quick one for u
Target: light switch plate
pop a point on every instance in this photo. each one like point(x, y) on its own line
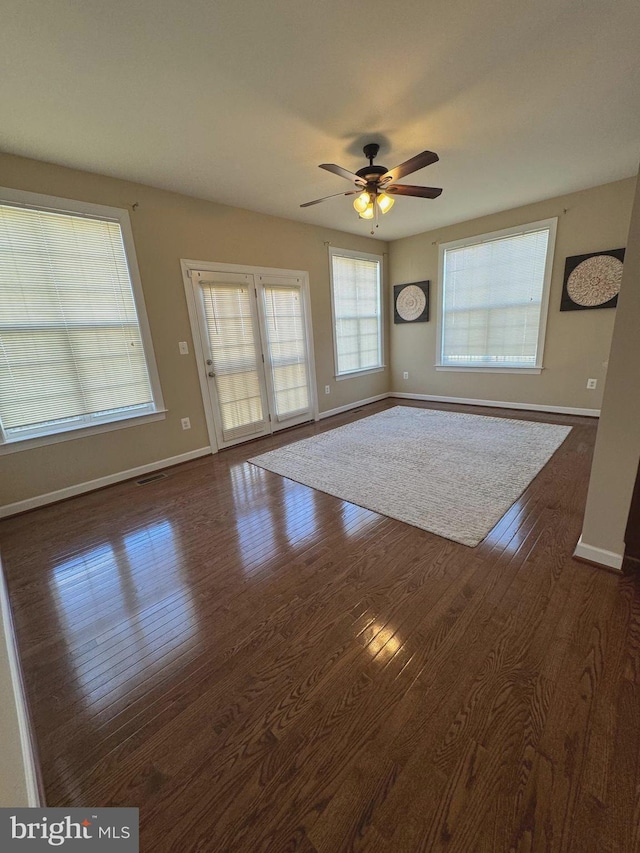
point(183, 347)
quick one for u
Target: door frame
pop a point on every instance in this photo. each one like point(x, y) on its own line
point(200, 347)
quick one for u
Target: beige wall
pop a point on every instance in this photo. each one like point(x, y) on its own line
point(617, 449)
point(167, 227)
point(577, 342)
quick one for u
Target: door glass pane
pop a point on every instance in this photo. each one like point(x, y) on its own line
point(286, 343)
point(235, 361)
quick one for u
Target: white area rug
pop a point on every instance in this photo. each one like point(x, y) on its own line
point(452, 474)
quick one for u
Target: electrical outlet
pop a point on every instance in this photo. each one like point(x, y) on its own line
point(405, 375)
point(327, 389)
point(591, 384)
point(186, 423)
point(183, 347)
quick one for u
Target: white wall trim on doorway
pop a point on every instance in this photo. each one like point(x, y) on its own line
point(21, 780)
point(598, 556)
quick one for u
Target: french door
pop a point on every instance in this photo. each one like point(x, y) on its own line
point(256, 350)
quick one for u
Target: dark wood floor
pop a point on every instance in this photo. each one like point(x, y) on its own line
point(262, 667)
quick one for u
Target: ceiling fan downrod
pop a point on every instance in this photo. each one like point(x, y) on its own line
point(371, 151)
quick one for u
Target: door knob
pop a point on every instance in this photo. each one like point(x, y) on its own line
point(211, 373)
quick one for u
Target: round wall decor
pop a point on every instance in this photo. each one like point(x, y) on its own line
point(411, 302)
point(595, 281)
point(592, 281)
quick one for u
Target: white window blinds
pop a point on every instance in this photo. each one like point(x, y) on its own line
point(287, 348)
point(492, 300)
point(357, 315)
point(232, 343)
point(71, 352)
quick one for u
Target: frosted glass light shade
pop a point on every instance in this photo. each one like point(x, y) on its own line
point(385, 202)
point(361, 202)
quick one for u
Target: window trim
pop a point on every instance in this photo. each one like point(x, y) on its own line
point(367, 256)
point(365, 370)
point(157, 411)
point(517, 230)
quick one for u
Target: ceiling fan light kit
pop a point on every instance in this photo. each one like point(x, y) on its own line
point(385, 202)
point(362, 202)
point(373, 184)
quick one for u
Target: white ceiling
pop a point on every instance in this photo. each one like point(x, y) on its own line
point(240, 101)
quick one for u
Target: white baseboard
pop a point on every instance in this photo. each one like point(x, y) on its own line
point(467, 401)
point(92, 485)
point(529, 407)
point(599, 556)
point(357, 405)
point(13, 692)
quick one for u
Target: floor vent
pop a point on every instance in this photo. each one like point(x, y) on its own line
point(150, 479)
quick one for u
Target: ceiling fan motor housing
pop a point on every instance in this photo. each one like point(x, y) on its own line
point(371, 174)
point(371, 150)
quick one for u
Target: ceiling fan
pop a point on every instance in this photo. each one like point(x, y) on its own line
point(375, 186)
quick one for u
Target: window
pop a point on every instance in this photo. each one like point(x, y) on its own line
point(494, 291)
point(75, 351)
point(357, 316)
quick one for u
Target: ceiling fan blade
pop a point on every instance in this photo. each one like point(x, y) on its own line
point(419, 192)
point(425, 158)
point(318, 200)
point(343, 173)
